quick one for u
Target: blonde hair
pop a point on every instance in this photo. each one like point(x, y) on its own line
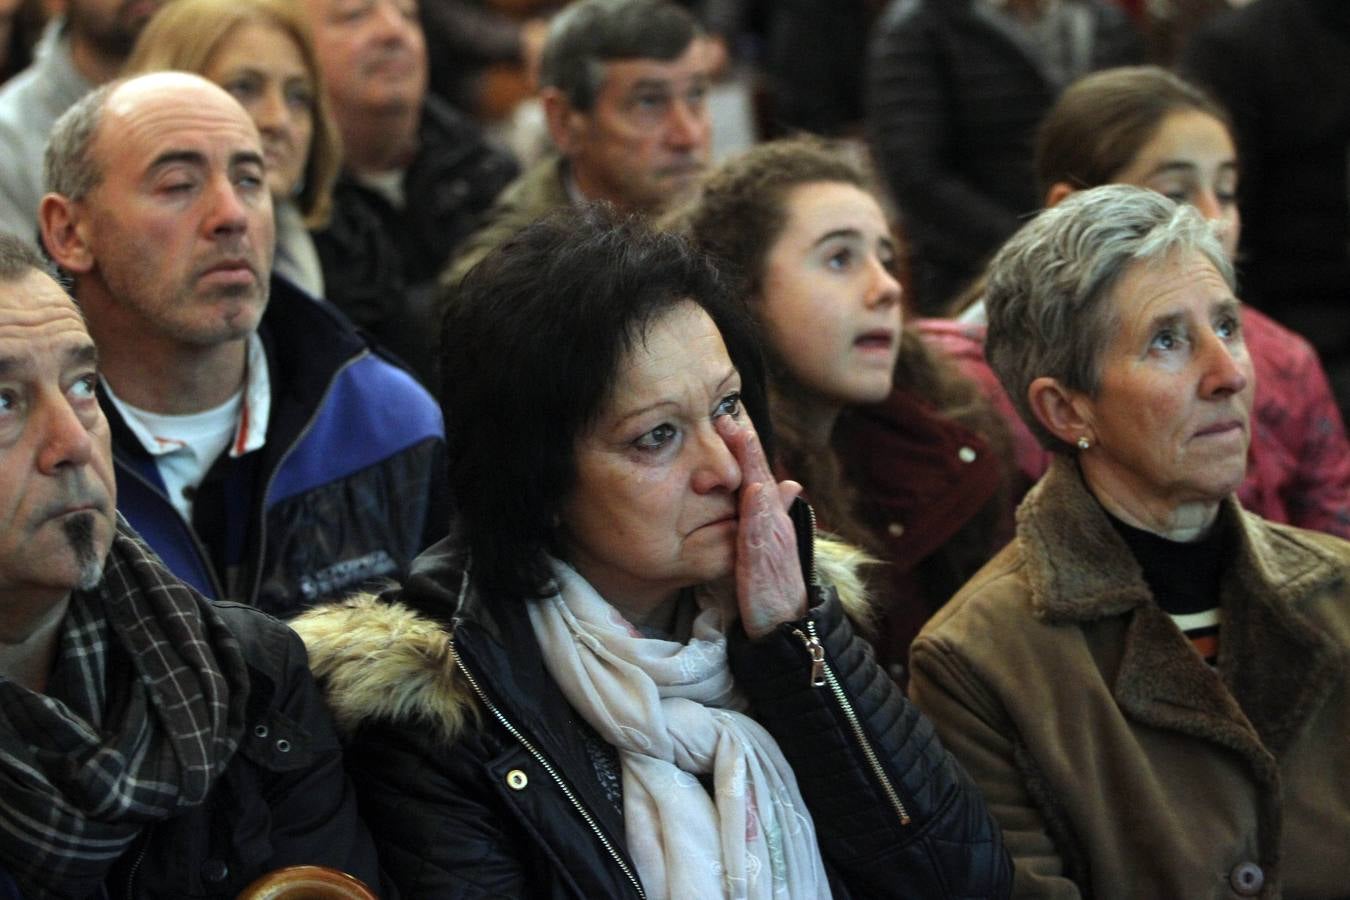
point(187, 34)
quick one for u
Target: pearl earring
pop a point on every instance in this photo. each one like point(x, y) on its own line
point(1083, 442)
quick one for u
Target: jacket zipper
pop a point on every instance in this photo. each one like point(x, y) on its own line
point(136, 866)
point(252, 597)
point(553, 773)
point(821, 676)
point(203, 556)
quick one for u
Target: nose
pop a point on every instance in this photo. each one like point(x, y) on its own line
point(229, 211)
point(1227, 369)
point(686, 125)
point(394, 24)
point(66, 442)
point(1207, 202)
point(883, 289)
point(716, 468)
point(271, 113)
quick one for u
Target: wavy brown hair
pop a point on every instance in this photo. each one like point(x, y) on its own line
point(739, 215)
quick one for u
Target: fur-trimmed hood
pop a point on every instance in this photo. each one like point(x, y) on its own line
point(380, 659)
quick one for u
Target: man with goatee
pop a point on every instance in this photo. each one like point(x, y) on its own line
point(152, 743)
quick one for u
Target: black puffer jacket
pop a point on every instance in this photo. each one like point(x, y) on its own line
point(473, 772)
point(284, 800)
point(380, 262)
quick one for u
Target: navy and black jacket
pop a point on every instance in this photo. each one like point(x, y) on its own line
point(349, 485)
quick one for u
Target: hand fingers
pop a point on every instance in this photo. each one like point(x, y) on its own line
point(769, 582)
point(756, 523)
point(788, 491)
point(744, 444)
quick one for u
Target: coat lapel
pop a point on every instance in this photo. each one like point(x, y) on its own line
point(1274, 671)
point(1278, 666)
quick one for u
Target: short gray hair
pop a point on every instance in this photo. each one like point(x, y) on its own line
point(18, 258)
point(68, 166)
point(1048, 291)
point(589, 33)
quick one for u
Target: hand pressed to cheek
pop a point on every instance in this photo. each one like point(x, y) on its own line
point(769, 585)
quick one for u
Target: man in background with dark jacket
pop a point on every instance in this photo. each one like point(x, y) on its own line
point(956, 89)
point(417, 174)
point(152, 744)
point(262, 448)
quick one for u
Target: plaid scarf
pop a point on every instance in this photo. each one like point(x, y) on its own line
point(142, 713)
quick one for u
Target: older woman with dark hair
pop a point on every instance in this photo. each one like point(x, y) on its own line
point(1149, 683)
point(631, 671)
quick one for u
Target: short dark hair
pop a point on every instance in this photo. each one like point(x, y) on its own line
point(530, 351)
point(18, 258)
point(589, 33)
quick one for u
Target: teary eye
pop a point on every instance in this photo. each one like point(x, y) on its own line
point(730, 405)
point(657, 438)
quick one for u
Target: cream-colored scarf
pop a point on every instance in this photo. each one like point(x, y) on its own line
point(673, 712)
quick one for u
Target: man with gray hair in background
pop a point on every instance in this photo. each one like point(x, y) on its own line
point(149, 739)
point(624, 87)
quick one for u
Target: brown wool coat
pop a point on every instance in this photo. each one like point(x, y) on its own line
point(1118, 764)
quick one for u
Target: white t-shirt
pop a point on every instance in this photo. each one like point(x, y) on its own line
point(185, 447)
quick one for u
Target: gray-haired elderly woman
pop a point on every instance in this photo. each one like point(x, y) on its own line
point(1149, 683)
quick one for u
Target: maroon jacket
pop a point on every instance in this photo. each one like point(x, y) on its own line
point(929, 490)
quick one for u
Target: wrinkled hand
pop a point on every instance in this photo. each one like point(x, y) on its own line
point(769, 585)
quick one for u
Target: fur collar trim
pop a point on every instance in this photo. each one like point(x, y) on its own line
point(1275, 667)
point(378, 660)
point(1060, 520)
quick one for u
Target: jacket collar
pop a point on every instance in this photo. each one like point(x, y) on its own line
point(1275, 669)
point(392, 657)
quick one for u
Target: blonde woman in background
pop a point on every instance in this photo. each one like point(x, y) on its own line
point(262, 53)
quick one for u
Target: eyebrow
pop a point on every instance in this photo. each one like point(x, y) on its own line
point(837, 233)
point(1165, 320)
point(851, 233)
point(174, 157)
point(1230, 305)
point(650, 84)
point(1179, 165)
point(659, 404)
point(198, 159)
point(84, 354)
point(667, 84)
point(243, 157)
